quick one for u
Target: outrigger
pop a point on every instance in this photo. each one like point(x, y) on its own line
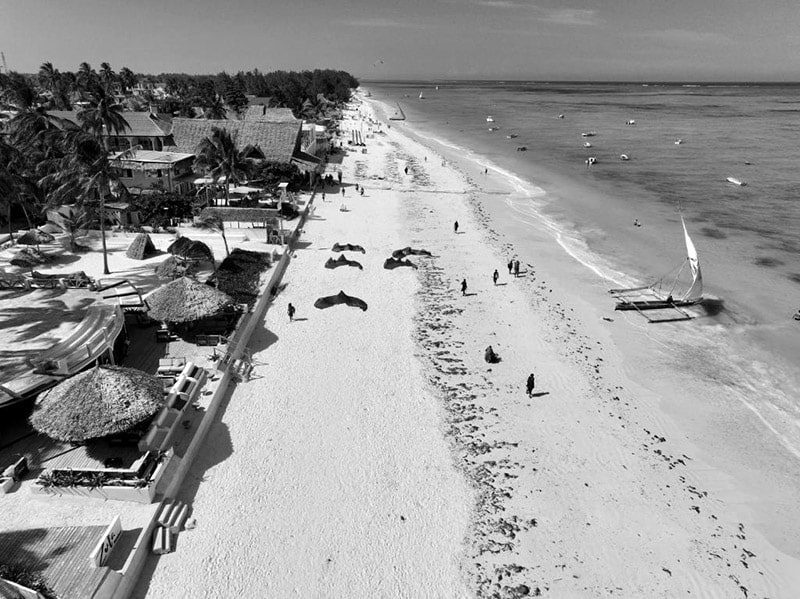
point(652, 296)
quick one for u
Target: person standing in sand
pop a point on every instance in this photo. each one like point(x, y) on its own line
point(510, 266)
point(516, 268)
point(495, 276)
point(455, 226)
point(464, 287)
point(291, 311)
point(530, 384)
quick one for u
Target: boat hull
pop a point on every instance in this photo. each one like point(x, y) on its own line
point(653, 305)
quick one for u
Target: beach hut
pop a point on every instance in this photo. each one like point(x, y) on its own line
point(186, 300)
point(141, 247)
point(98, 402)
point(28, 258)
point(174, 267)
point(34, 237)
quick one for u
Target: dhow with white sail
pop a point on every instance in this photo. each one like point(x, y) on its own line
point(668, 292)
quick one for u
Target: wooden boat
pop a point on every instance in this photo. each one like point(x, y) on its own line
point(736, 181)
point(588, 134)
point(490, 119)
point(653, 297)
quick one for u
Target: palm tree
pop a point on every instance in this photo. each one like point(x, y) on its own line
point(104, 114)
point(48, 76)
point(215, 109)
point(213, 222)
point(127, 79)
point(86, 77)
point(218, 156)
point(108, 77)
point(84, 172)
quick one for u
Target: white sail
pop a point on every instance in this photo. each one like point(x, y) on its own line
point(695, 292)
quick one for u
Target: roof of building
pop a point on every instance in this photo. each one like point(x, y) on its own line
point(141, 124)
point(153, 156)
point(276, 141)
point(259, 112)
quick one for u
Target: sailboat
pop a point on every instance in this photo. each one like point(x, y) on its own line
point(421, 97)
point(679, 294)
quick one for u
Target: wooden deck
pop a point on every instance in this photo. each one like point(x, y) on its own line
point(59, 555)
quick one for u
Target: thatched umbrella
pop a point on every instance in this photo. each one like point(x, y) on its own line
point(186, 300)
point(141, 247)
point(173, 267)
point(98, 402)
point(34, 237)
point(28, 258)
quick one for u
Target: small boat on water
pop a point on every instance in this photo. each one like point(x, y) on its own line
point(490, 119)
point(662, 295)
point(630, 122)
point(522, 148)
point(561, 116)
point(588, 134)
point(736, 181)
point(591, 160)
point(624, 157)
point(494, 128)
point(421, 97)
point(678, 142)
point(511, 136)
point(586, 144)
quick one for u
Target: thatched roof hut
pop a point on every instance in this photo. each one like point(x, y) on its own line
point(29, 257)
point(191, 249)
point(141, 247)
point(34, 237)
point(98, 402)
point(239, 274)
point(186, 300)
point(174, 267)
point(176, 246)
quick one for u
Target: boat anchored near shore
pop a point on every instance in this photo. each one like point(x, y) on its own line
point(653, 297)
point(736, 181)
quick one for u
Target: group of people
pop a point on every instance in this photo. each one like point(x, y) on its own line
point(513, 265)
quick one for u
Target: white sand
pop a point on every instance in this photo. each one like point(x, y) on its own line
point(332, 475)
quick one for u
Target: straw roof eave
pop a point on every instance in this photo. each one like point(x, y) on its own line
point(96, 403)
point(186, 300)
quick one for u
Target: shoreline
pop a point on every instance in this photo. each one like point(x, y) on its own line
point(734, 493)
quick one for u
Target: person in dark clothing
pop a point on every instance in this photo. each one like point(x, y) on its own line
point(464, 287)
point(516, 268)
point(291, 311)
point(530, 384)
point(495, 276)
point(455, 226)
point(510, 266)
point(490, 356)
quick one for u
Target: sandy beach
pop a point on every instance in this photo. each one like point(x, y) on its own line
point(376, 453)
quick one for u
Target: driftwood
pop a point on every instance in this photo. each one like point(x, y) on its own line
point(407, 251)
point(348, 247)
point(392, 263)
point(342, 261)
point(340, 298)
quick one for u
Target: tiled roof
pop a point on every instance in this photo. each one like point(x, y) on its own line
point(277, 141)
point(142, 124)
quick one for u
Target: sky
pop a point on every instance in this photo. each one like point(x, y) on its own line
point(621, 40)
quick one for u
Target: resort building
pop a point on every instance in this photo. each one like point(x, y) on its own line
point(149, 171)
point(146, 130)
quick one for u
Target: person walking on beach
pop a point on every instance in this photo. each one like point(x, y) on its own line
point(323, 196)
point(495, 276)
point(291, 311)
point(510, 266)
point(516, 268)
point(361, 191)
point(464, 287)
point(406, 170)
point(342, 191)
point(455, 226)
point(530, 384)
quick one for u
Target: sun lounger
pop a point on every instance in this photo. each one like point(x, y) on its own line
point(171, 365)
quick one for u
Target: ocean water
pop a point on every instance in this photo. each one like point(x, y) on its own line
point(743, 352)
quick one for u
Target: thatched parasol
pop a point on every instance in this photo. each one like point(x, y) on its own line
point(34, 237)
point(28, 258)
point(97, 402)
point(186, 300)
point(141, 247)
